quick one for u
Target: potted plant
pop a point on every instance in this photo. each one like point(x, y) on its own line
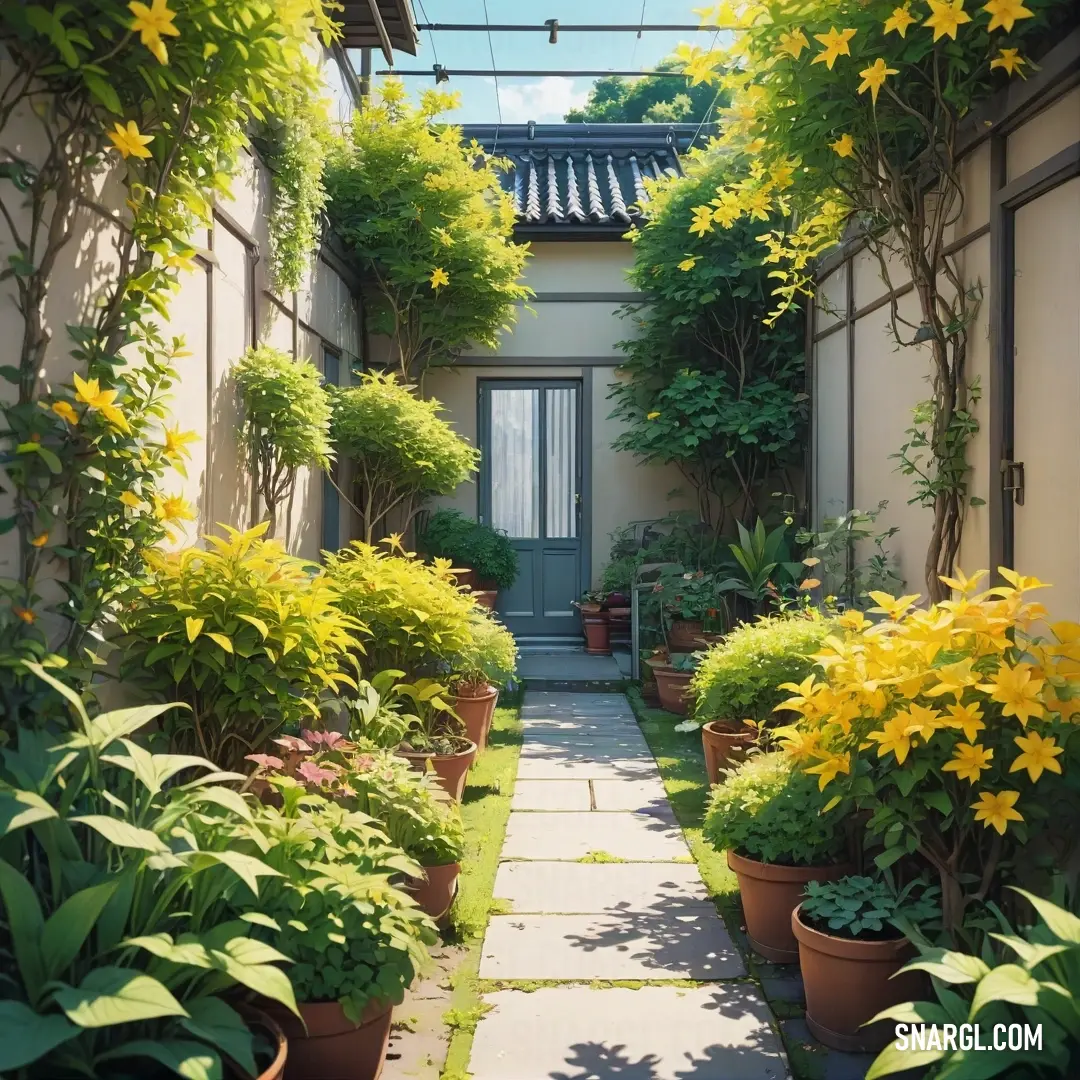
point(595, 622)
point(673, 682)
point(850, 953)
point(487, 557)
point(490, 664)
point(737, 684)
point(689, 598)
point(435, 739)
point(356, 940)
point(769, 817)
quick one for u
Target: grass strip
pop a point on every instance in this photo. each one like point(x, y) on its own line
point(485, 809)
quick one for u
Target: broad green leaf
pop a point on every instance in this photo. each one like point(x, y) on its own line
point(26, 923)
point(1062, 924)
point(246, 867)
point(224, 797)
point(188, 950)
point(69, 926)
point(29, 1036)
point(18, 809)
point(950, 967)
point(154, 771)
point(122, 833)
point(1007, 982)
point(222, 640)
point(891, 1060)
point(113, 995)
point(189, 1059)
point(218, 1023)
point(1031, 953)
point(110, 726)
point(257, 918)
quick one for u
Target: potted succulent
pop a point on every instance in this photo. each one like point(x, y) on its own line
point(739, 684)
point(435, 739)
point(594, 620)
point(673, 682)
point(490, 664)
point(769, 817)
point(486, 556)
point(850, 953)
point(356, 941)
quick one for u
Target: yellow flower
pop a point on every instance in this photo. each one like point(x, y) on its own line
point(1004, 13)
point(894, 737)
point(793, 44)
point(961, 583)
point(176, 442)
point(90, 393)
point(968, 718)
point(997, 810)
point(130, 141)
point(900, 20)
point(844, 146)
point(150, 23)
point(798, 744)
point(652, 416)
point(176, 260)
point(969, 762)
point(439, 278)
point(64, 410)
point(129, 498)
point(1010, 60)
point(922, 721)
point(40, 540)
point(947, 16)
point(1015, 688)
point(25, 614)
point(954, 679)
point(703, 220)
point(836, 44)
point(173, 508)
point(893, 606)
point(1038, 755)
point(873, 78)
point(689, 264)
point(827, 770)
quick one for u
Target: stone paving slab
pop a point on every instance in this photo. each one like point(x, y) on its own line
point(684, 941)
point(582, 727)
point(583, 742)
point(567, 888)
point(642, 795)
point(655, 1033)
point(562, 665)
point(551, 795)
point(633, 837)
point(593, 750)
point(544, 767)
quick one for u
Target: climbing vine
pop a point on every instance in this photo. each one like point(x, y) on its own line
point(132, 117)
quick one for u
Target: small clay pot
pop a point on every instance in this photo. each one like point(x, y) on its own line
point(435, 891)
point(673, 687)
point(848, 982)
point(597, 633)
point(332, 1048)
point(684, 634)
point(725, 744)
point(256, 1018)
point(450, 769)
point(476, 712)
point(467, 579)
point(770, 893)
point(486, 598)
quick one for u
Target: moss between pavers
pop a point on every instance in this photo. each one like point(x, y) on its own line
point(486, 809)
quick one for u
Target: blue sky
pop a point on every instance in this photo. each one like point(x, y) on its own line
point(540, 99)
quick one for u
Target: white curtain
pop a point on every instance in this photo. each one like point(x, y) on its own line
point(561, 463)
point(513, 464)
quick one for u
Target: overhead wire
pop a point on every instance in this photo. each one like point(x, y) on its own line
point(637, 39)
point(430, 33)
point(494, 66)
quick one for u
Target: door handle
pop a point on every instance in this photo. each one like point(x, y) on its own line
point(1012, 479)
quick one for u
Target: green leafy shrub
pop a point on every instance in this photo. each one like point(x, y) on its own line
point(352, 935)
point(403, 450)
point(407, 804)
point(245, 635)
point(492, 657)
point(1035, 982)
point(868, 908)
point(416, 615)
point(286, 423)
point(118, 870)
point(770, 811)
point(741, 678)
point(430, 226)
point(449, 534)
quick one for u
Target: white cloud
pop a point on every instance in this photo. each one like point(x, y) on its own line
point(548, 99)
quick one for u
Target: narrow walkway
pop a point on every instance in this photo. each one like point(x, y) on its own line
point(603, 888)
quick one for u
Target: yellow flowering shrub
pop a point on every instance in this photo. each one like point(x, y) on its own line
point(950, 726)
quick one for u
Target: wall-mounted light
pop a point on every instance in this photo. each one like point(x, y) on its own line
point(441, 74)
point(553, 30)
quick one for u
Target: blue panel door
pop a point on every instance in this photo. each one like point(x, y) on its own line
point(530, 488)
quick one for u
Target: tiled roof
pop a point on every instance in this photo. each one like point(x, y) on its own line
point(576, 178)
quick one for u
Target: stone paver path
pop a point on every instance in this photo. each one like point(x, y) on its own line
point(601, 886)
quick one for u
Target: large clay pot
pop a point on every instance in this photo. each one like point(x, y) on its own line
point(257, 1019)
point(725, 744)
point(450, 769)
point(770, 893)
point(597, 633)
point(684, 634)
point(435, 891)
point(467, 579)
point(672, 686)
point(332, 1048)
point(476, 712)
point(849, 982)
point(486, 598)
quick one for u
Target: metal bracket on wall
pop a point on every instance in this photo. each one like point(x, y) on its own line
point(1012, 479)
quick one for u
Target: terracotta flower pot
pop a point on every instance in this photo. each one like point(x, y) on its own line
point(486, 598)
point(849, 982)
point(672, 686)
point(435, 891)
point(770, 893)
point(684, 634)
point(332, 1048)
point(256, 1018)
point(725, 743)
point(450, 769)
point(467, 579)
point(597, 633)
point(476, 712)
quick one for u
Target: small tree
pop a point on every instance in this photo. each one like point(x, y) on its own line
point(430, 227)
point(403, 451)
point(286, 423)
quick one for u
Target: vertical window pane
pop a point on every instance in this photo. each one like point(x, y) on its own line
point(560, 452)
point(513, 459)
